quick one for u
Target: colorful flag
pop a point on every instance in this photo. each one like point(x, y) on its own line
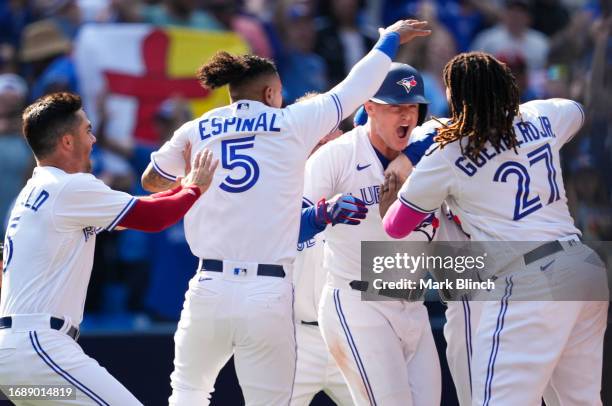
point(135, 67)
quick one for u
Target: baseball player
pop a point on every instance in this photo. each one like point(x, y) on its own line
point(461, 314)
point(49, 250)
point(384, 349)
point(315, 369)
point(245, 234)
point(529, 349)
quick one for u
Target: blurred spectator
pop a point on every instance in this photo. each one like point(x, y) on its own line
point(463, 18)
point(228, 13)
point(157, 267)
point(340, 40)
point(429, 56)
point(183, 13)
point(591, 210)
point(14, 16)
point(46, 50)
point(518, 66)
point(96, 11)
point(571, 43)
point(549, 16)
point(301, 70)
point(65, 13)
point(513, 36)
point(8, 58)
point(16, 160)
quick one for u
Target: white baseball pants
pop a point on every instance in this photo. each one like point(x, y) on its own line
point(385, 350)
point(316, 370)
point(250, 318)
point(462, 318)
point(32, 353)
point(528, 349)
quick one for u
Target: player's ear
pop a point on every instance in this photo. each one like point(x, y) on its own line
point(369, 108)
point(268, 96)
point(66, 141)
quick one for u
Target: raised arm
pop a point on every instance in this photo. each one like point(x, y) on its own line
point(322, 114)
point(368, 74)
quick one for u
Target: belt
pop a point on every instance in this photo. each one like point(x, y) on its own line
point(362, 286)
point(54, 322)
point(215, 265)
point(310, 323)
point(542, 251)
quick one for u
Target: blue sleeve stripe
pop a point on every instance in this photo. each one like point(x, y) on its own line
point(415, 207)
point(122, 214)
point(388, 44)
point(581, 111)
point(341, 109)
point(337, 103)
point(307, 201)
point(161, 172)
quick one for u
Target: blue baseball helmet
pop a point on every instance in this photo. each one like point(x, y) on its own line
point(403, 85)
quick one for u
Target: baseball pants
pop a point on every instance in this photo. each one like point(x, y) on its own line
point(250, 317)
point(526, 349)
point(462, 318)
point(31, 353)
point(316, 370)
point(384, 349)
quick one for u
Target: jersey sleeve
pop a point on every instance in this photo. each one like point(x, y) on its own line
point(428, 185)
point(168, 161)
point(86, 201)
point(566, 117)
point(319, 176)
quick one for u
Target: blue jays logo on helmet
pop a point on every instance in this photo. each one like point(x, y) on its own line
point(408, 83)
point(411, 89)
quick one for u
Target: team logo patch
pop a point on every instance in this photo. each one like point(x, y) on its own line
point(89, 232)
point(408, 83)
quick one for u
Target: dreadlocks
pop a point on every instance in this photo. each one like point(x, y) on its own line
point(484, 99)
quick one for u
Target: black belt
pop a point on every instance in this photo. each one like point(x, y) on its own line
point(542, 251)
point(55, 323)
point(310, 323)
point(362, 286)
point(215, 265)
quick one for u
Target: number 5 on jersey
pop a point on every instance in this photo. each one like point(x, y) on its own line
point(232, 158)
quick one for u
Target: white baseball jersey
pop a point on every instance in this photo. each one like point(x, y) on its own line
point(472, 189)
point(51, 239)
point(349, 164)
point(253, 205)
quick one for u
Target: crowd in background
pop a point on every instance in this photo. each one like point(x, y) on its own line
point(556, 48)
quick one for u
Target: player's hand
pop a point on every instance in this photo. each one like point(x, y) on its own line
point(388, 193)
point(341, 209)
point(204, 167)
point(401, 167)
point(407, 29)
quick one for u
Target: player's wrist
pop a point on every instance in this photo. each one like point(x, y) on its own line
point(388, 43)
point(195, 188)
point(322, 213)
